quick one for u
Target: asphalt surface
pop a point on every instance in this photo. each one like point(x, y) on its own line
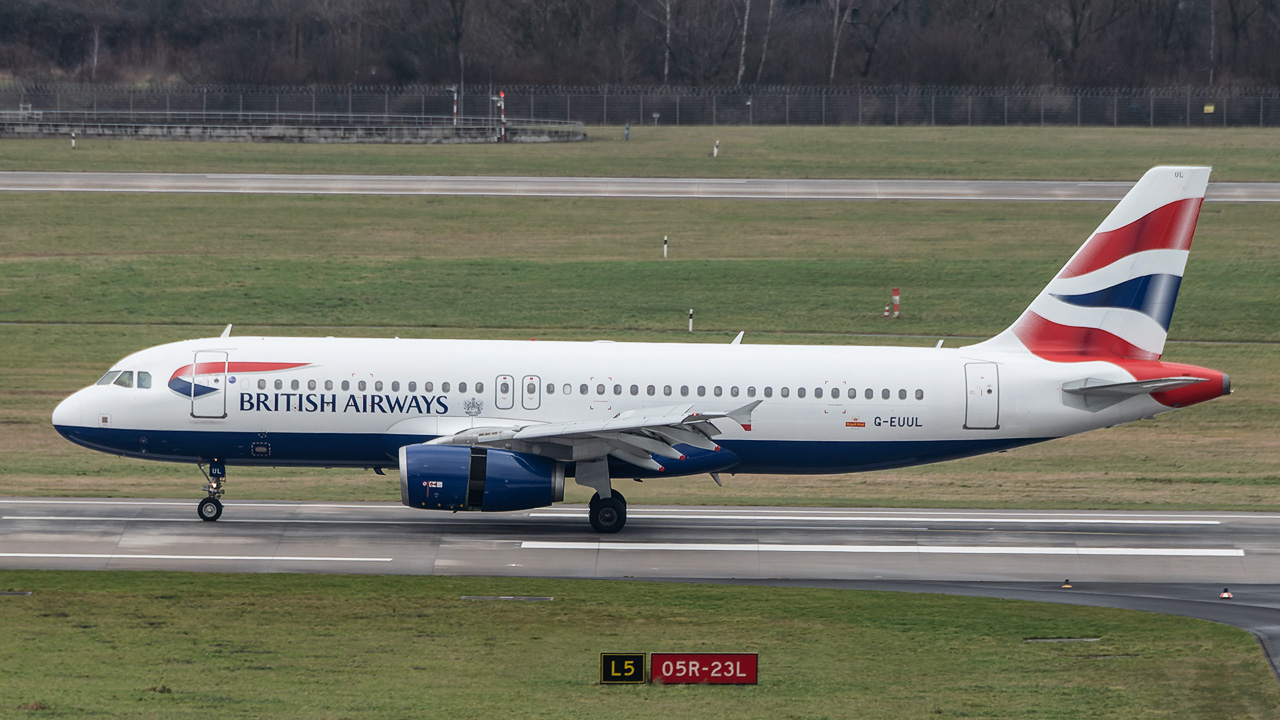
point(603, 187)
point(1174, 563)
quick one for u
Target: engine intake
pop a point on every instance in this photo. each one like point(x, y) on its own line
point(452, 477)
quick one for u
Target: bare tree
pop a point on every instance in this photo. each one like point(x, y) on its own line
point(663, 17)
point(873, 18)
point(764, 46)
point(841, 10)
point(742, 54)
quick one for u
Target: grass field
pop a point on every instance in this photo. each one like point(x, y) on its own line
point(177, 645)
point(153, 269)
point(792, 152)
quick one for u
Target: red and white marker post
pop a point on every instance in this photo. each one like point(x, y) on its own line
point(897, 300)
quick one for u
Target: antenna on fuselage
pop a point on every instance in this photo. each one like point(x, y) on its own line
point(226, 332)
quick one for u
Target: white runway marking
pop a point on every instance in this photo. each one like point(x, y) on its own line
point(272, 521)
point(115, 556)
point(902, 519)
point(882, 549)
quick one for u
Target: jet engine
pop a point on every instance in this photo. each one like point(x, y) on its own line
point(453, 477)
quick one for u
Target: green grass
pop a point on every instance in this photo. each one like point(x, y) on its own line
point(790, 152)
point(176, 645)
point(804, 272)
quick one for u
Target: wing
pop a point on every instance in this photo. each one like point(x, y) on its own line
point(634, 436)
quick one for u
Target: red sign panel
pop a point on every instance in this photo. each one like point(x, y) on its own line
point(714, 668)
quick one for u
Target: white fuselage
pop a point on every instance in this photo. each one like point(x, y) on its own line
point(354, 402)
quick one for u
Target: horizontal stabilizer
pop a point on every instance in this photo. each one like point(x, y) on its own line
point(1094, 394)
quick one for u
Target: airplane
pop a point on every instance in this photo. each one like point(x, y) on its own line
point(496, 425)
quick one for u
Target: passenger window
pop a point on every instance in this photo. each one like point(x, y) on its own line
point(733, 391)
point(582, 389)
point(504, 388)
point(125, 379)
point(413, 386)
point(395, 386)
point(817, 392)
point(109, 377)
point(444, 387)
point(346, 385)
point(666, 390)
point(462, 387)
point(144, 380)
point(480, 388)
point(717, 391)
point(328, 385)
point(600, 389)
point(684, 391)
point(568, 389)
point(751, 391)
point(869, 394)
point(884, 394)
point(902, 394)
point(835, 393)
point(280, 384)
point(262, 384)
point(768, 391)
point(919, 394)
point(551, 388)
point(311, 384)
point(784, 392)
point(702, 391)
point(529, 389)
point(651, 390)
point(800, 392)
point(427, 386)
point(359, 386)
point(635, 389)
point(294, 385)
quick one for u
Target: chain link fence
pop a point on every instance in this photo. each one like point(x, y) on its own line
point(613, 105)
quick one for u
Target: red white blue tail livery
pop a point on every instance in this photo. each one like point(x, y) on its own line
point(498, 425)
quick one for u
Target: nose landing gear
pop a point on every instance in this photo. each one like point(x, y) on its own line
point(210, 508)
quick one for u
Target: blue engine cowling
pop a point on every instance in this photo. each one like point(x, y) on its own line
point(453, 477)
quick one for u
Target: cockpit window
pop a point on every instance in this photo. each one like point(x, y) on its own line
point(144, 380)
point(125, 379)
point(109, 377)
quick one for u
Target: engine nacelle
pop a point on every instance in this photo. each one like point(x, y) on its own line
point(453, 477)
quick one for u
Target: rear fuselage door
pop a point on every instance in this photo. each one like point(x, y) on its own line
point(982, 400)
point(209, 384)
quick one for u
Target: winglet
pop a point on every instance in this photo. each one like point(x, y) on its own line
point(738, 340)
point(226, 331)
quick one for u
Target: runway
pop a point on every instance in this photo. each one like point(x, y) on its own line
point(604, 187)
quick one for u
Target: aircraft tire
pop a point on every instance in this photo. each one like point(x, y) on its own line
point(608, 515)
point(210, 509)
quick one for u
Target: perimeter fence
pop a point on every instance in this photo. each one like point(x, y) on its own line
point(615, 105)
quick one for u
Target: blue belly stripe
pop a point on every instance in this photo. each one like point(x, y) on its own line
point(381, 450)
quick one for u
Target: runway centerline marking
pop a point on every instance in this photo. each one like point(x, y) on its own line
point(882, 549)
point(896, 519)
point(123, 556)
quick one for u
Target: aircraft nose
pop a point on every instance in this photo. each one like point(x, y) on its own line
point(69, 413)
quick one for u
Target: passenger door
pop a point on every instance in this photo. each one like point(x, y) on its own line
point(209, 384)
point(982, 402)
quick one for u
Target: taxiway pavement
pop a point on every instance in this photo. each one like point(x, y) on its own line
point(603, 187)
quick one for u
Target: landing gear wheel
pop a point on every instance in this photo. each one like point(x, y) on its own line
point(608, 515)
point(210, 509)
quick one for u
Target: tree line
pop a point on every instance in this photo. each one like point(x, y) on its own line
point(1103, 43)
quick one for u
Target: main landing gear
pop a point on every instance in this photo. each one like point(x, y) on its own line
point(608, 515)
point(210, 508)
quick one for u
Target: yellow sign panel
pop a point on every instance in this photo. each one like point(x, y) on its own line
point(622, 668)
point(1208, 108)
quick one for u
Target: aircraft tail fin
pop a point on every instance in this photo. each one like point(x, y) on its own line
point(1115, 297)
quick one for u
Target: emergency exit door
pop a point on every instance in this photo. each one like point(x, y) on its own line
point(982, 401)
